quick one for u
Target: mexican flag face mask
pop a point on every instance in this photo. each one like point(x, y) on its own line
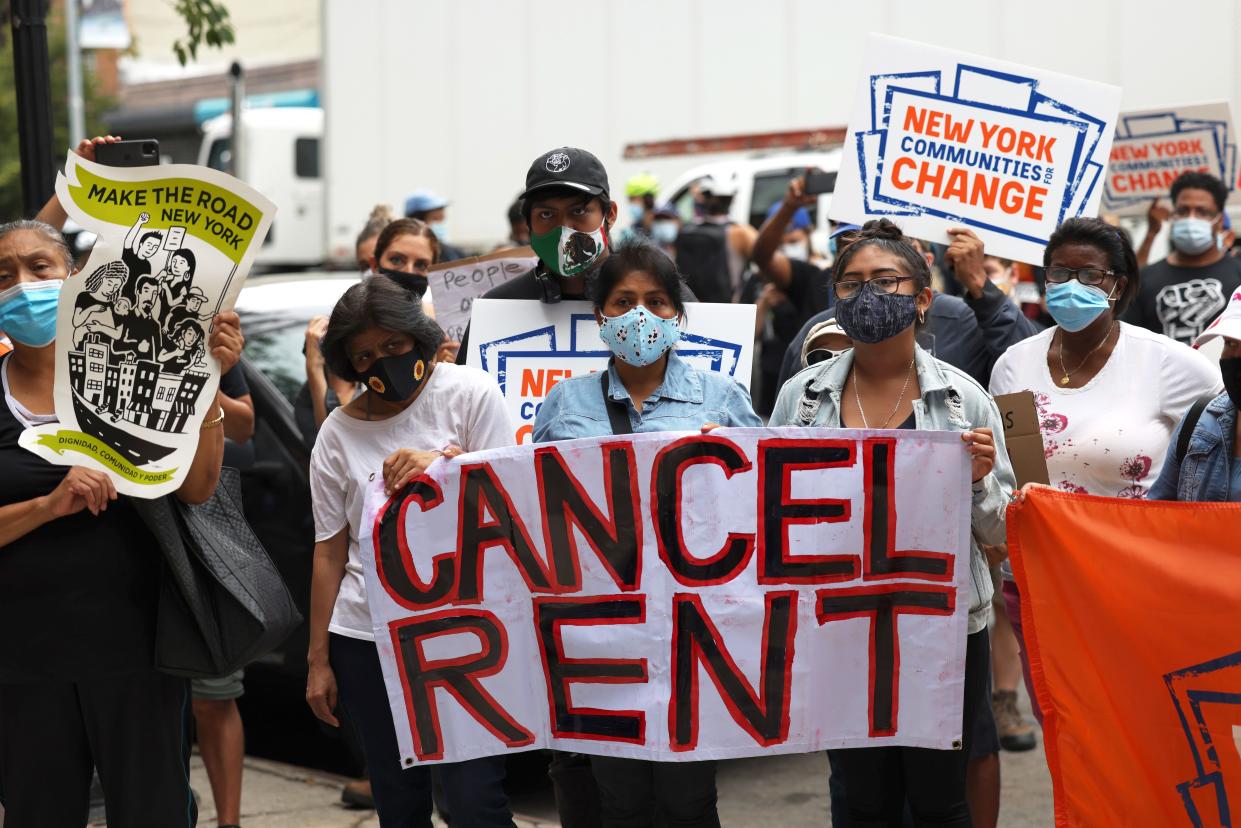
point(568, 252)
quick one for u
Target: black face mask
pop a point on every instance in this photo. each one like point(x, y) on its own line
point(396, 378)
point(1231, 370)
point(413, 282)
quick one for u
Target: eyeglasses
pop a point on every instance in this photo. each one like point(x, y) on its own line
point(1085, 275)
point(1195, 212)
point(848, 288)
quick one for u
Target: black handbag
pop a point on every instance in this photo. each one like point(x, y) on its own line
point(222, 602)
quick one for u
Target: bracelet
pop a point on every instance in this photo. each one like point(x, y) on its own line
point(213, 423)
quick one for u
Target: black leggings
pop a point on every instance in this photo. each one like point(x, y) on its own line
point(878, 781)
point(635, 793)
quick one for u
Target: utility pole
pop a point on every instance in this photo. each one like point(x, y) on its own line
point(77, 111)
point(32, 77)
point(238, 95)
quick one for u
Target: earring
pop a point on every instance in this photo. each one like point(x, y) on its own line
point(921, 316)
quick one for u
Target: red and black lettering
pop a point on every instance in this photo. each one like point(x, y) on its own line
point(570, 722)
point(670, 464)
point(459, 676)
point(777, 460)
point(882, 605)
point(393, 560)
point(617, 541)
point(695, 639)
point(482, 490)
point(879, 527)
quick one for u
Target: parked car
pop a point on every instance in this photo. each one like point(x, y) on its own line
point(274, 468)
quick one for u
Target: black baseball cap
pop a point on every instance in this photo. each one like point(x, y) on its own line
point(569, 167)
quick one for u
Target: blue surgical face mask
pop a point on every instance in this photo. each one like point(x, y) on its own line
point(1193, 236)
point(1074, 305)
point(638, 336)
point(664, 232)
point(28, 312)
point(440, 229)
point(636, 211)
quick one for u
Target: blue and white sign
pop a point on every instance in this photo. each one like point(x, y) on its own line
point(1154, 146)
point(942, 139)
point(530, 346)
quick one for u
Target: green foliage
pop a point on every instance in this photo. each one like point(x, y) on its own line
point(206, 22)
point(94, 102)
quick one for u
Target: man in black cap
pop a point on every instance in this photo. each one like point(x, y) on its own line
point(570, 213)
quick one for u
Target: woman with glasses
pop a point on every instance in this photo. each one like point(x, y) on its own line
point(882, 285)
point(1108, 393)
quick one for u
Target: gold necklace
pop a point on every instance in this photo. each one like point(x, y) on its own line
point(1064, 380)
point(858, 397)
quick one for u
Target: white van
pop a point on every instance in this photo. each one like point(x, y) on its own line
point(279, 158)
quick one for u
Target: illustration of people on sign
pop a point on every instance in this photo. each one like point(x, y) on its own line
point(139, 337)
point(93, 312)
point(139, 248)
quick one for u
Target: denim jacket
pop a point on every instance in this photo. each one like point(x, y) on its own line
point(951, 401)
point(1205, 472)
point(687, 399)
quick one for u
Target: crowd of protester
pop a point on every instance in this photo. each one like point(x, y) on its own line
point(871, 330)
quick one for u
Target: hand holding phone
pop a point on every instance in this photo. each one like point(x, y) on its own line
point(138, 153)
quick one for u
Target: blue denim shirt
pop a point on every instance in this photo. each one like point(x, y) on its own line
point(686, 400)
point(951, 401)
point(1205, 473)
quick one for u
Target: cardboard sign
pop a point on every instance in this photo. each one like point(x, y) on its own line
point(941, 138)
point(455, 285)
point(134, 378)
point(530, 346)
point(1154, 146)
point(1023, 438)
point(676, 597)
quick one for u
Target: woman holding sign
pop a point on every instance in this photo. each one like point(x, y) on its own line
point(883, 286)
point(647, 387)
point(79, 584)
point(414, 410)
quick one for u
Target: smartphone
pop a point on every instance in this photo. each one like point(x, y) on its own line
point(139, 153)
point(819, 182)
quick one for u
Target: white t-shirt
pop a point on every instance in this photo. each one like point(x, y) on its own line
point(1110, 436)
point(460, 406)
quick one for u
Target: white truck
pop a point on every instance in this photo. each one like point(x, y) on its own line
point(460, 95)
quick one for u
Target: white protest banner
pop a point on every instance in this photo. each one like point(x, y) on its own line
point(530, 346)
point(1154, 146)
point(455, 285)
point(134, 378)
point(676, 596)
point(940, 138)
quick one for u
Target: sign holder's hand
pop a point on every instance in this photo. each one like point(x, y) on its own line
point(404, 465)
point(226, 340)
point(966, 255)
point(981, 446)
point(81, 488)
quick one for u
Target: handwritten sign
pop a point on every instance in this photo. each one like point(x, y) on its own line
point(134, 378)
point(530, 346)
point(1154, 146)
point(676, 597)
point(940, 138)
point(455, 285)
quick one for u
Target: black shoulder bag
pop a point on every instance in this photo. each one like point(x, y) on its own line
point(1189, 424)
point(222, 602)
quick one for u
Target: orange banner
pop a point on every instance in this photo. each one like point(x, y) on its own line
point(1132, 617)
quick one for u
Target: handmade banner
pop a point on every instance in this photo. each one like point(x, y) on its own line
point(134, 378)
point(530, 346)
point(1154, 146)
point(455, 285)
point(599, 596)
point(1129, 611)
point(941, 138)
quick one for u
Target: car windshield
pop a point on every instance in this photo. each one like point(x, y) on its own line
point(274, 318)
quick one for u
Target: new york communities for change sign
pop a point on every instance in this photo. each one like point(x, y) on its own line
point(530, 346)
point(1154, 146)
point(940, 138)
point(675, 596)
